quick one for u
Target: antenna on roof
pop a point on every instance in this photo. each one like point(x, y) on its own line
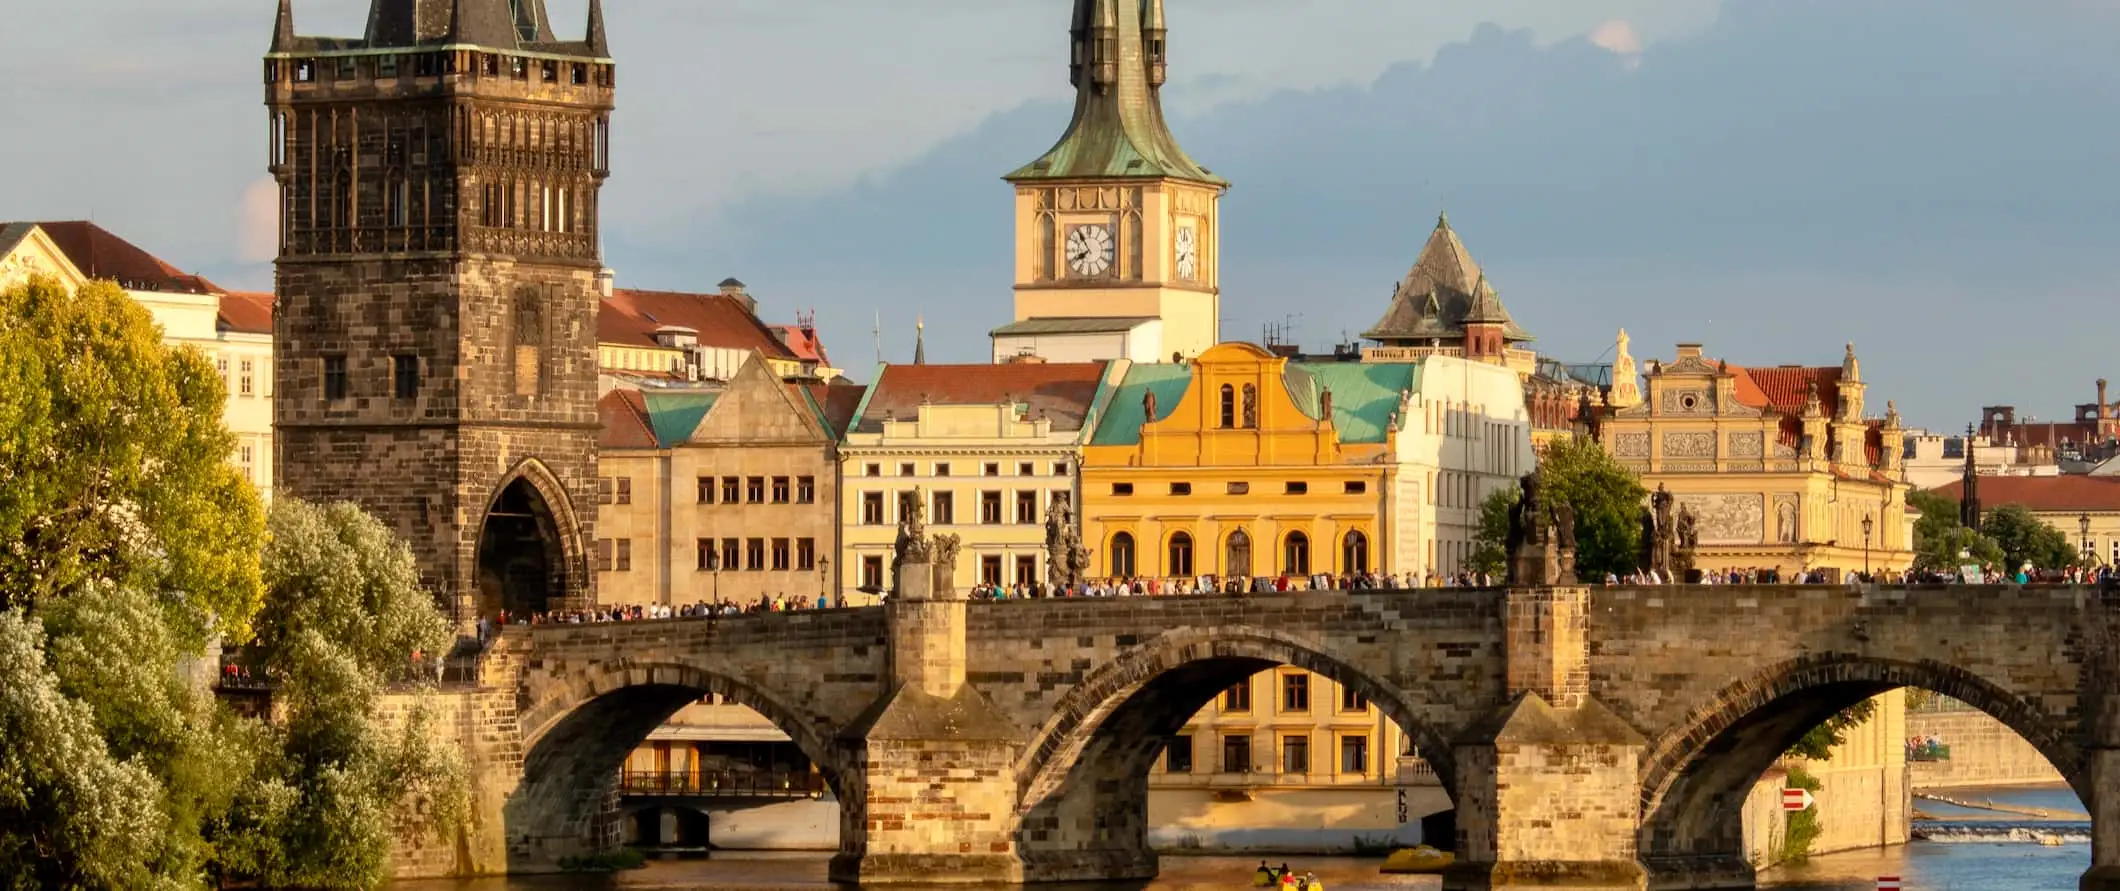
point(879, 337)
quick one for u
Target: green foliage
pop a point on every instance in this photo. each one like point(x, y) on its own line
point(1802, 828)
point(1492, 541)
point(114, 462)
point(1818, 743)
point(1607, 499)
point(2025, 538)
point(340, 574)
point(1939, 538)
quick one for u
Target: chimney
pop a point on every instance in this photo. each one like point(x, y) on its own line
point(2105, 409)
point(606, 281)
point(732, 288)
point(1689, 351)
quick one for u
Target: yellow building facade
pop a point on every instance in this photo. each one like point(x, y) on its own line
point(1213, 468)
point(1780, 465)
point(720, 494)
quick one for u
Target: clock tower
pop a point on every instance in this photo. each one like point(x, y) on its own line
point(1116, 228)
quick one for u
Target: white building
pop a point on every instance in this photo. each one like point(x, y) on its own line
point(1936, 459)
point(1464, 434)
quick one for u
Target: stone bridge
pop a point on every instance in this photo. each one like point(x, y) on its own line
point(1588, 738)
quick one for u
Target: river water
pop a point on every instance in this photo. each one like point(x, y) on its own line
point(1964, 850)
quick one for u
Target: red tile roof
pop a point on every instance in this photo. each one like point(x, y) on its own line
point(246, 312)
point(631, 317)
point(839, 400)
point(802, 340)
point(1060, 392)
point(1784, 388)
point(102, 255)
point(624, 415)
point(2049, 494)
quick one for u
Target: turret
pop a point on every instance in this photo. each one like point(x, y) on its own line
point(283, 28)
point(1104, 44)
point(1850, 387)
point(1152, 42)
point(599, 42)
point(1894, 446)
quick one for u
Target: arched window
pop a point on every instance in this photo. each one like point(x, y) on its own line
point(1229, 406)
point(397, 199)
point(529, 340)
point(1239, 554)
point(1295, 554)
point(1354, 552)
point(1180, 564)
point(341, 208)
point(1122, 551)
point(1251, 407)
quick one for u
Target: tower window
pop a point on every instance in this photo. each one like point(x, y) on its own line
point(348, 69)
point(405, 372)
point(1229, 407)
point(529, 337)
point(386, 66)
point(335, 377)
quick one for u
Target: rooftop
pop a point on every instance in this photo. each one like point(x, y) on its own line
point(99, 254)
point(1442, 292)
point(631, 318)
point(2043, 494)
point(1059, 392)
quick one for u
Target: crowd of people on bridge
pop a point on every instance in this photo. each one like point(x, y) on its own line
point(489, 625)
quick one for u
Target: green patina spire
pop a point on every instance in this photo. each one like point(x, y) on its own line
point(1117, 64)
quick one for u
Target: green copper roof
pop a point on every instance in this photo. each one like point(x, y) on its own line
point(1364, 394)
point(1119, 129)
point(1122, 421)
point(676, 415)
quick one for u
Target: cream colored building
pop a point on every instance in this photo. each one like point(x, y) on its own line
point(1464, 433)
point(234, 331)
point(988, 447)
point(1936, 459)
point(1781, 465)
point(725, 493)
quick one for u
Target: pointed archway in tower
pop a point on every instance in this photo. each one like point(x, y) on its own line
point(530, 558)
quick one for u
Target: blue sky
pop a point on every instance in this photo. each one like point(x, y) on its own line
point(1933, 181)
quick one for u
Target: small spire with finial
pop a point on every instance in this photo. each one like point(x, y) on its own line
point(919, 340)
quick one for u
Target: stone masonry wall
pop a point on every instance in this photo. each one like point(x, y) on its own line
point(1984, 752)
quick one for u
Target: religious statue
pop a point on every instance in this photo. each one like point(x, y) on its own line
point(1686, 539)
point(1564, 533)
point(1251, 407)
point(1659, 534)
point(1059, 523)
point(1534, 557)
point(1148, 406)
point(943, 565)
point(912, 545)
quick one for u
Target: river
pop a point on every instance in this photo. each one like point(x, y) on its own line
point(1967, 850)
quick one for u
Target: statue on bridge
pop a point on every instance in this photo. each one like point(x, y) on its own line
point(1541, 540)
point(912, 545)
point(942, 566)
point(1660, 535)
point(1685, 540)
point(1065, 559)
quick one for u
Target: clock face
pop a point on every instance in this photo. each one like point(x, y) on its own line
point(1188, 254)
point(1089, 250)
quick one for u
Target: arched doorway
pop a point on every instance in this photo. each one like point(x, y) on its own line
point(1180, 559)
point(1295, 554)
point(522, 563)
point(1122, 555)
point(1237, 559)
point(1354, 553)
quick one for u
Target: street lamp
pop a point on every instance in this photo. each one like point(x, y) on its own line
point(1867, 522)
point(824, 577)
point(713, 556)
point(2083, 523)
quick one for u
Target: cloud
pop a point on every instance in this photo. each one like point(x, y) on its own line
point(1619, 37)
point(258, 222)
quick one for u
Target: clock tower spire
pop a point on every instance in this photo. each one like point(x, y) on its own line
point(1116, 224)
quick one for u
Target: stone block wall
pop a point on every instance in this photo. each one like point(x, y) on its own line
point(1984, 752)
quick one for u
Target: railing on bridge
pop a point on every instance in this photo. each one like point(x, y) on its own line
point(722, 784)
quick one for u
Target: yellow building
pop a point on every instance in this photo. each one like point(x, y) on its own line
point(1117, 240)
point(1242, 464)
point(1780, 465)
point(989, 447)
point(725, 493)
point(234, 331)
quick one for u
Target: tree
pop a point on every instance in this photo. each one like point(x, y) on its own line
point(2024, 538)
point(1939, 539)
point(114, 461)
point(1607, 499)
point(1817, 744)
point(1491, 542)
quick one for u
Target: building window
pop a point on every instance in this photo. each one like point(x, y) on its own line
point(335, 377)
point(945, 509)
point(220, 364)
point(1295, 693)
point(1059, 468)
point(1027, 508)
point(1229, 407)
point(604, 490)
point(1178, 754)
point(805, 490)
point(1026, 570)
point(731, 490)
point(731, 554)
point(1354, 753)
point(993, 469)
point(404, 373)
point(243, 384)
point(1180, 563)
point(990, 569)
point(781, 492)
point(1237, 488)
point(603, 555)
point(1122, 555)
point(706, 490)
point(624, 491)
point(805, 554)
point(754, 490)
point(623, 561)
point(1024, 469)
point(1295, 754)
point(1352, 701)
point(1354, 553)
point(1122, 489)
point(872, 470)
point(872, 573)
point(781, 555)
point(906, 469)
point(872, 508)
point(529, 341)
point(1236, 753)
point(942, 468)
point(1296, 489)
point(990, 508)
point(754, 554)
point(248, 457)
point(709, 557)
point(1355, 487)
point(1238, 697)
point(905, 505)
point(1238, 554)
point(1181, 488)
point(1295, 554)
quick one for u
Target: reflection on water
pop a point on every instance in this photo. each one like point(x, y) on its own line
point(1968, 865)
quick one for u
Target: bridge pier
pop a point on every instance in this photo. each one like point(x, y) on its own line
point(1548, 788)
point(930, 794)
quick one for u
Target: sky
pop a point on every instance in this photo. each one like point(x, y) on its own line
point(1934, 182)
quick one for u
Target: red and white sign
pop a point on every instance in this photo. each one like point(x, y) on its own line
point(1793, 800)
point(1887, 883)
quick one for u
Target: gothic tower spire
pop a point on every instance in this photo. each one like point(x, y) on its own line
point(1117, 62)
point(283, 28)
point(599, 42)
point(920, 342)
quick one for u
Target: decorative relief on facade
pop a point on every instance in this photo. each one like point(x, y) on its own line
point(1189, 201)
point(1784, 450)
point(1786, 529)
point(1687, 402)
point(1094, 198)
point(1630, 445)
point(1747, 445)
point(1729, 519)
point(1689, 467)
point(1689, 445)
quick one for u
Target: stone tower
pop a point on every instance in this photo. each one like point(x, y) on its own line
point(435, 331)
point(1115, 224)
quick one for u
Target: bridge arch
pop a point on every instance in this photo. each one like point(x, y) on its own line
point(1698, 771)
point(575, 742)
point(1089, 764)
